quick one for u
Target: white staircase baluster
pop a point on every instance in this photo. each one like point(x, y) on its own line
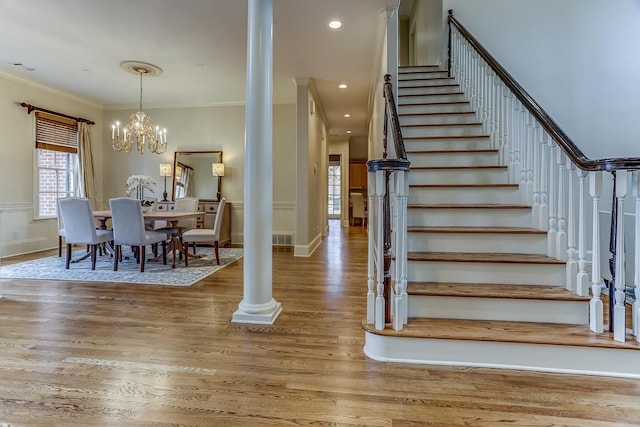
point(380, 193)
point(503, 125)
point(561, 235)
point(596, 313)
point(553, 197)
point(636, 278)
point(530, 151)
point(572, 261)
point(543, 223)
point(582, 279)
point(522, 137)
point(619, 318)
point(535, 172)
point(400, 301)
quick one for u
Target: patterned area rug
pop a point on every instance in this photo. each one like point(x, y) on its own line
point(155, 273)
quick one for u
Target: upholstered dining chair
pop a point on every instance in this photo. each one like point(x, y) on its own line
point(80, 227)
point(60, 230)
point(129, 230)
point(357, 208)
point(204, 235)
point(183, 204)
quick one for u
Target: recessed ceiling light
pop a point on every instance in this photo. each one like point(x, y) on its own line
point(335, 24)
point(348, 131)
point(342, 86)
point(347, 115)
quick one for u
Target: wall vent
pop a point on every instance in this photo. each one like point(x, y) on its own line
point(282, 239)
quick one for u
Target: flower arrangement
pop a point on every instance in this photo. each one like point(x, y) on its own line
point(138, 183)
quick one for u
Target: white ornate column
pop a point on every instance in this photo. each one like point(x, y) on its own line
point(258, 305)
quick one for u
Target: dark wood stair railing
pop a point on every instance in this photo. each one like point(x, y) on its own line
point(387, 166)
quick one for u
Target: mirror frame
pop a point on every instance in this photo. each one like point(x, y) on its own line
point(175, 163)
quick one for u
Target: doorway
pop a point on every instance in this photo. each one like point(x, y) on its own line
point(335, 185)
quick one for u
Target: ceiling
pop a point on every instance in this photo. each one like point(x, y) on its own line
point(77, 46)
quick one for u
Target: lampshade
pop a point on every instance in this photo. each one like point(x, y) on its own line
point(217, 169)
point(165, 169)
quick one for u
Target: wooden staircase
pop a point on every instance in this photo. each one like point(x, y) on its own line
point(482, 291)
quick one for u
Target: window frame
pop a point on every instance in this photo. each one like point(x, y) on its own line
point(59, 136)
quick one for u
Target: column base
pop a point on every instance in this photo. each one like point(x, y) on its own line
point(261, 314)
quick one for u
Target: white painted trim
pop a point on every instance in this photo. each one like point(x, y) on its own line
point(307, 250)
point(504, 355)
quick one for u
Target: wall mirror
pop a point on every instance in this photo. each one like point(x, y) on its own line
point(192, 174)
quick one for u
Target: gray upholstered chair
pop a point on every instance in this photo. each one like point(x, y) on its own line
point(129, 230)
point(80, 227)
point(357, 208)
point(204, 235)
point(60, 230)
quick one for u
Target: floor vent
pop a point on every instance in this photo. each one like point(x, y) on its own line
point(282, 240)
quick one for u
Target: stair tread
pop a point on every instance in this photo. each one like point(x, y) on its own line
point(505, 331)
point(479, 151)
point(471, 186)
point(439, 113)
point(426, 86)
point(463, 206)
point(407, 95)
point(486, 257)
point(427, 104)
point(474, 229)
point(489, 290)
point(446, 137)
point(427, 125)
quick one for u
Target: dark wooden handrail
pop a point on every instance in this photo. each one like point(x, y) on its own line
point(390, 106)
point(569, 147)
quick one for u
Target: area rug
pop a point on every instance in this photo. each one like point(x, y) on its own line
point(155, 273)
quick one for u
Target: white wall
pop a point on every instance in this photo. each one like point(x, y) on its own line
point(427, 22)
point(212, 128)
point(577, 58)
point(19, 231)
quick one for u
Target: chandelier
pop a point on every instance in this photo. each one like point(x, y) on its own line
point(139, 130)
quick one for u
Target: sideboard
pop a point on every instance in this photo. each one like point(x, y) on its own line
point(209, 209)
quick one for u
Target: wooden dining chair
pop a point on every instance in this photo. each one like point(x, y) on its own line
point(80, 227)
point(129, 230)
point(204, 235)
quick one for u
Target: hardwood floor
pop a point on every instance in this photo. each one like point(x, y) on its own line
point(96, 354)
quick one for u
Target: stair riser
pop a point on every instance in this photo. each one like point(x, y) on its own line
point(469, 217)
point(480, 272)
point(504, 309)
point(505, 355)
point(449, 159)
point(431, 81)
point(447, 119)
point(429, 90)
point(443, 130)
point(426, 99)
point(477, 243)
point(458, 176)
point(480, 143)
point(420, 75)
point(460, 195)
point(433, 108)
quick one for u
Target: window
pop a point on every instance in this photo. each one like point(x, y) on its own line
point(334, 190)
point(56, 162)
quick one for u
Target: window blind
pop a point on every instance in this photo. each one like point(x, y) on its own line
point(56, 133)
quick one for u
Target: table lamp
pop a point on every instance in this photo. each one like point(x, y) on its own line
point(218, 170)
point(165, 170)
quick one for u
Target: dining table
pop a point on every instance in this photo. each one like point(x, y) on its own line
point(170, 217)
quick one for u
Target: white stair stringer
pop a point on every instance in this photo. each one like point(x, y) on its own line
point(567, 359)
